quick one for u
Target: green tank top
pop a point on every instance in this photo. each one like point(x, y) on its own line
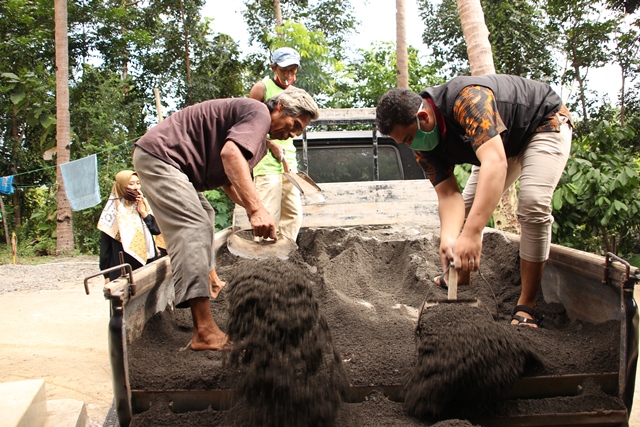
point(269, 165)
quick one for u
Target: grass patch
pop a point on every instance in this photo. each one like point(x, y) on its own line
point(27, 255)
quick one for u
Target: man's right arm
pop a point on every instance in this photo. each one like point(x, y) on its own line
point(237, 170)
point(451, 211)
point(257, 92)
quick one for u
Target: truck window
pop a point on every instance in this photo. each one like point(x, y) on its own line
point(351, 163)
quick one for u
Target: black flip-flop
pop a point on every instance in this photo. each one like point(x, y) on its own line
point(537, 319)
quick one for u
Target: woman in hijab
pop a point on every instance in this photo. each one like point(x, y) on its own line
point(127, 225)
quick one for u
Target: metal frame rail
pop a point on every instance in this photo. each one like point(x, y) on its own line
point(345, 116)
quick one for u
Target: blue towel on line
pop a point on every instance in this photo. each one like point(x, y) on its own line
point(6, 185)
point(81, 182)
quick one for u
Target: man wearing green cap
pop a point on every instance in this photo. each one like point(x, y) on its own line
point(279, 196)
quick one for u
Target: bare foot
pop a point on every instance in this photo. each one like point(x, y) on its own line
point(206, 334)
point(218, 341)
point(215, 284)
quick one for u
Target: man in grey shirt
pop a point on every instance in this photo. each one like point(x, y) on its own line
point(205, 146)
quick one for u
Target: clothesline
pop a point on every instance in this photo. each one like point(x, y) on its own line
point(126, 145)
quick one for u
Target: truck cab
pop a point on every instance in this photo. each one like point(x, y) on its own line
point(349, 156)
point(353, 155)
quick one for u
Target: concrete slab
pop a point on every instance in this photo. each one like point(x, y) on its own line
point(66, 413)
point(23, 403)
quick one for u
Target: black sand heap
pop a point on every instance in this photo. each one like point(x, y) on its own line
point(465, 358)
point(287, 372)
point(369, 283)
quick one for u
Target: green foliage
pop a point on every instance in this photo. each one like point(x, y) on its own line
point(334, 18)
point(520, 42)
point(86, 235)
point(26, 35)
point(26, 253)
point(217, 72)
point(598, 197)
point(27, 100)
point(317, 31)
point(108, 111)
point(39, 231)
point(462, 173)
point(584, 37)
point(222, 205)
point(365, 79)
point(627, 54)
point(444, 34)
point(632, 117)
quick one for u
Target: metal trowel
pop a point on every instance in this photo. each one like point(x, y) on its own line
point(242, 243)
point(303, 182)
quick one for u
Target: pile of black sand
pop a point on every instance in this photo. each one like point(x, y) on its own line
point(285, 368)
point(465, 359)
point(370, 283)
point(454, 423)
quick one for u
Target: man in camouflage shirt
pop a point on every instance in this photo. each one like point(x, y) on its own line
point(508, 128)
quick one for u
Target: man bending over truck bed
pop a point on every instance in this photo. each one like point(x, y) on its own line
point(205, 146)
point(508, 128)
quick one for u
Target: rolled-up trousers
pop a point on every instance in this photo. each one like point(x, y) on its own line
point(538, 167)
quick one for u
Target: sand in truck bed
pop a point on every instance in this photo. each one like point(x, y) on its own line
point(369, 284)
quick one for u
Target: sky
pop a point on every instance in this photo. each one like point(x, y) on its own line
point(377, 21)
point(378, 24)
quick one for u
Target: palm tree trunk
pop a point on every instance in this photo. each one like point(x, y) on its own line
point(476, 36)
point(278, 12)
point(64, 240)
point(187, 55)
point(402, 61)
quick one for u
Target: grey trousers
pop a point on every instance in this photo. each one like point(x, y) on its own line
point(186, 220)
point(539, 168)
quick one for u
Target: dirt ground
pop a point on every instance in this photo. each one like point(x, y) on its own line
point(52, 330)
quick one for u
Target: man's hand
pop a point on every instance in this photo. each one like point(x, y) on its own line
point(451, 213)
point(467, 248)
point(276, 150)
point(263, 224)
point(490, 186)
point(242, 190)
point(446, 251)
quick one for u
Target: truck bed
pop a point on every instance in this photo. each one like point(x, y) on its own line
point(583, 290)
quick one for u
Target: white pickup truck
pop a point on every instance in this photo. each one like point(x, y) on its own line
point(369, 181)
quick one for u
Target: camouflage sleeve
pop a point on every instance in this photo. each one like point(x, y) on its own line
point(476, 110)
point(435, 167)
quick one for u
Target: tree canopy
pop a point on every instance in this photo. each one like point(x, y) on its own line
point(120, 52)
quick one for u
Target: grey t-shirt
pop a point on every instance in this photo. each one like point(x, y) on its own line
point(191, 139)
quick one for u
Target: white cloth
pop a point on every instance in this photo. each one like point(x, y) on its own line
point(80, 179)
